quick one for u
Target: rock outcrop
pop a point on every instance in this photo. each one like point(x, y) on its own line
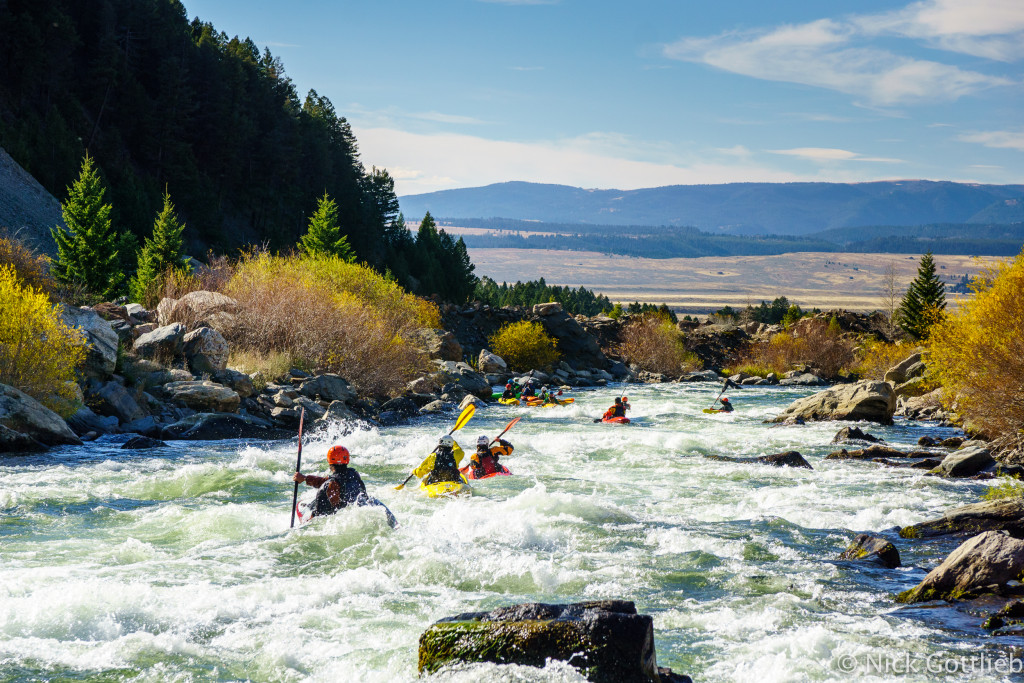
point(101, 340)
point(867, 400)
point(606, 641)
point(218, 426)
point(206, 351)
point(26, 420)
point(203, 396)
point(984, 562)
point(966, 462)
point(989, 515)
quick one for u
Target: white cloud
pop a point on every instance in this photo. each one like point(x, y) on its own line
point(424, 163)
point(830, 154)
point(1000, 139)
point(837, 54)
point(993, 29)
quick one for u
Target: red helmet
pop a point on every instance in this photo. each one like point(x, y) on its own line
point(725, 400)
point(338, 455)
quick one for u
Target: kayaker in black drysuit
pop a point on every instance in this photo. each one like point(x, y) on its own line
point(443, 463)
point(726, 406)
point(510, 391)
point(343, 488)
point(528, 390)
point(485, 459)
point(619, 409)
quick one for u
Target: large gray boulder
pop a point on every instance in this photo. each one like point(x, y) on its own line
point(574, 342)
point(604, 640)
point(239, 382)
point(491, 362)
point(24, 415)
point(989, 515)
point(113, 400)
point(439, 344)
point(465, 377)
point(205, 350)
point(200, 308)
point(162, 344)
point(868, 400)
point(988, 560)
point(203, 396)
point(899, 373)
point(84, 420)
point(102, 340)
point(328, 387)
point(966, 462)
point(217, 426)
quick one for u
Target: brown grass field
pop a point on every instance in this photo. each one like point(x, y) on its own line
point(703, 285)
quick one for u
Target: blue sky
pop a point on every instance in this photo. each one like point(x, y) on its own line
point(600, 94)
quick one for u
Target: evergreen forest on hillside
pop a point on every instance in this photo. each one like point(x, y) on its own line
point(164, 104)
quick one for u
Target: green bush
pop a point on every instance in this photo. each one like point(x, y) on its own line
point(525, 346)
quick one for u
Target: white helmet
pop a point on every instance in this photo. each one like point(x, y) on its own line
point(446, 440)
point(482, 441)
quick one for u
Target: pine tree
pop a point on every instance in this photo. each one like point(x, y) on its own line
point(87, 250)
point(324, 233)
point(924, 302)
point(162, 251)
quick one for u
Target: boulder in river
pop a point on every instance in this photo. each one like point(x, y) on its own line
point(872, 549)
point(137, 443)
point(1005, 515)
point(217, 426)
point(983, 562)
point(203, 396)
point(22, 414)
point(867, 400)
point(965, 462)
point(113, 400)
point(328, 387)
point(605, 640)
point(854, 434)
point(786, 459)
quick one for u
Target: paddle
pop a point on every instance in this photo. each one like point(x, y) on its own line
point(459, 424)
point(724, 387)
point(298, 467)
point(509, 426)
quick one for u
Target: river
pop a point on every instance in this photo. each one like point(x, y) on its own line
point(177, 564)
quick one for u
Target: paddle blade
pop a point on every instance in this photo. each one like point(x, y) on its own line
point(464, 418)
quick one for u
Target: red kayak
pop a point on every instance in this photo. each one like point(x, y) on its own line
point(468, 471)
point(619, 420)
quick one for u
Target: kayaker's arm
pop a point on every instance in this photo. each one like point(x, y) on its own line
point(310, 479)
point(458, 453)
point(425, 467)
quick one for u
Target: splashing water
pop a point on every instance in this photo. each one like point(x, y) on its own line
point(178, 564)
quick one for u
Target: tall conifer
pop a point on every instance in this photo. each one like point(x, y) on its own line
point(87, 250)
point(324, 233)
point(925, 301)
point(160, 252)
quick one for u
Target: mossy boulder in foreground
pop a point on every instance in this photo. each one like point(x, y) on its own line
point(980, 565)
point(607, 641)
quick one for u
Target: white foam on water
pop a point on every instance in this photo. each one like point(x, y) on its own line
point(181, 565)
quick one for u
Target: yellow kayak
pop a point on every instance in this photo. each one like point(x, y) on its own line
point(447, 488)
point(509, 401)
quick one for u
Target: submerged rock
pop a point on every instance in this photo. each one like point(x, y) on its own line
point(987, 560)
point(868, 400)
point(786, 459)
point(872, 549)
point(142, 442)
point(606, 640)
point(854, 434)
point(217, 426)
point(1001, 515)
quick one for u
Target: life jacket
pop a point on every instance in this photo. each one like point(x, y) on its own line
point(509, 393)
point(617, 410)
point(445, 468)
point(340, 490)
point(486, 465)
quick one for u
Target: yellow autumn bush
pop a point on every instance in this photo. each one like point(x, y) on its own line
point(977, 354)
point(38, 352)
point(330, 315)
point(654, 344)
point(876, 357)
point(525, 346)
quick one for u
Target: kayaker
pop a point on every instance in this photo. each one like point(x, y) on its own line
point(726, 405)
point(528, 390)
point(618, 409)
point(510, 391)
point(442, 464)
point(485, 459)
point(342, 488)
point(545, 396)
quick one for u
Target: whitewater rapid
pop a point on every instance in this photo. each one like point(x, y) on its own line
point(177, 564)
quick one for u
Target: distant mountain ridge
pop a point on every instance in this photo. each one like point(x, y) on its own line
point(735, 208)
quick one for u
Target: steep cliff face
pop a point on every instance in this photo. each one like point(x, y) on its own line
point(26, 208)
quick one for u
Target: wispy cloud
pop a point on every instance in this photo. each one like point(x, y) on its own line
point(830, 155)
point(999, 139)
point(839, 54)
